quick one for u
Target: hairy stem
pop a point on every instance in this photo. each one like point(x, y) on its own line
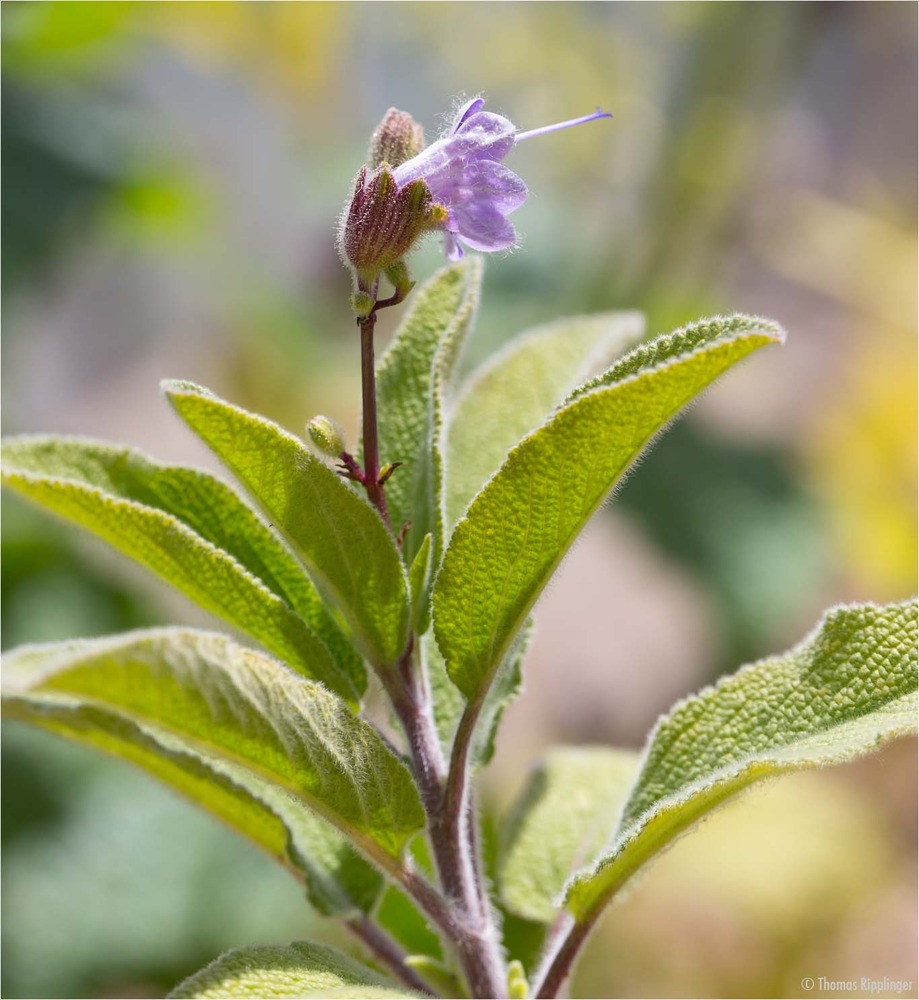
point(465, 915)
point(476, 941)
point(371, 435)
point(386, 952)
point(558, 962)
point(455, 794)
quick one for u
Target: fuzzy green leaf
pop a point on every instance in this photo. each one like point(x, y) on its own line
point(279, 972)
point(412, 380)
point(419, 576)
point(844, 691)
point(229, 703)
point(561, 822)
point(193, 531)
point(523, 522)
point(516, 391)
point(337, 534)
point(338, 881)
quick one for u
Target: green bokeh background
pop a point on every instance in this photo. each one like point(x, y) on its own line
point(172, 175)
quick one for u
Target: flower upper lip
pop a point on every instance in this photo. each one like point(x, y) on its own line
point(464, 173)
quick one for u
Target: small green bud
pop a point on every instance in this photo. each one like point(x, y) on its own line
point(326, 437)
point(387, 471)
point(517, 985)
point(362, 303)
point(396, 139)
point(399, 279)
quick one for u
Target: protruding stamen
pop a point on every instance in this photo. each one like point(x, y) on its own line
point(560, 125)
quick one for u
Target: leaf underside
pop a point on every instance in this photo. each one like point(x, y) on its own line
point(338, 881)
point(561, 822)
point(848, 688)
point(226, 703)
point(278, 972)
point(194, 531)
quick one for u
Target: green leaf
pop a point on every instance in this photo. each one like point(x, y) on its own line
point(419, 577)
point(192, 530)
point(523, 522)
point(561, 822)
point(336, 533)
point(412, 380)
point(300, 969)
point(338, 881)
point(235, 705)
point(438, 975)
point(518, 389)
point(663, 348)
point(844, 691)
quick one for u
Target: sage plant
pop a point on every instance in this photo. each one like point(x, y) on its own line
point(419, 556)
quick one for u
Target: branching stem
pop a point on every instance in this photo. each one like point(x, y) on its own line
point(472, 928)
point(557, 967)
point(386, 951)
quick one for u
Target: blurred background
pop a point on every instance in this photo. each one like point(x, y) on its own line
point(172, 176)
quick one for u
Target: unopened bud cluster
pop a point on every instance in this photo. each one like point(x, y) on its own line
point(384, 220)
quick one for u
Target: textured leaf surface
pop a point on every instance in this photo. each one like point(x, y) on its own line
point(412, 379)
point(338, 881)
point(233, 704)
point(520, 526)
point(516, 391)
point(296, 970)
point(845, 690)
point(340, 538)
point(562, 821)
point(190, 529)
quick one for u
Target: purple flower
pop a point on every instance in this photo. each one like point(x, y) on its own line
point(457, 186)
point(464, 173)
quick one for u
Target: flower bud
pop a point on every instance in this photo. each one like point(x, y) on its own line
point(326, 437)
point(384, 220)
point(517, 986)
point(362, 304)
point(398, 277)
point(396, 139)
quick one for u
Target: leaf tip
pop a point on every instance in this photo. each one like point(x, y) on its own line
point(182, 387)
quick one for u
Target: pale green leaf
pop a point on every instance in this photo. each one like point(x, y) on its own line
point(523, 522)
point(300, 969)
point(844, 691)
point(338, 881)
point(561, 822)
point(190, 529)
point(518, 389)
point(234, 704)
point(336, 533)
point(412, 379)
point(438, 975)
